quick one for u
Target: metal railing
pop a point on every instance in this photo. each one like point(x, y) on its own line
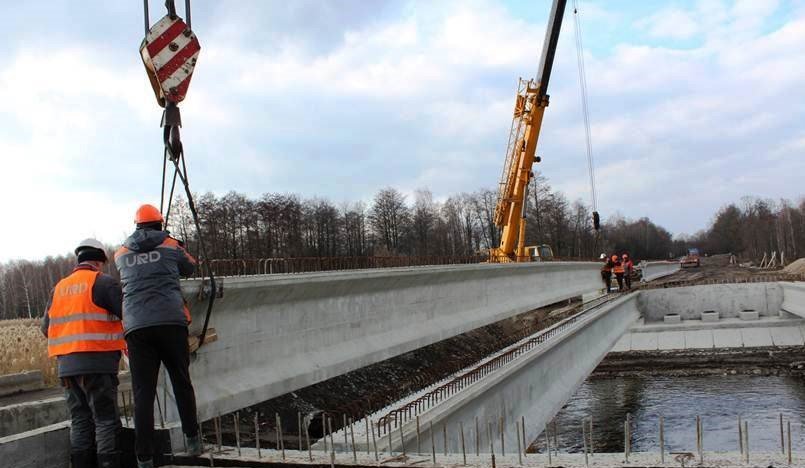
point(432, 398)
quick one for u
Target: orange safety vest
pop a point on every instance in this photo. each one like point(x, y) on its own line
point(618, 267)
point(76, 323)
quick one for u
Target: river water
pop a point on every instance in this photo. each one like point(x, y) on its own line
point(719, 400)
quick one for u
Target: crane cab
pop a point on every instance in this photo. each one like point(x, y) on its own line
point(539, 253)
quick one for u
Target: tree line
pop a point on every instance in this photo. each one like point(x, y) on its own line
point(277, 225)
point(754, 227)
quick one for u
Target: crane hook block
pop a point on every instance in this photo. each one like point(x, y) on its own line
point(169, 52)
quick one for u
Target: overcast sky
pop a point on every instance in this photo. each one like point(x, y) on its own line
point(694, 104)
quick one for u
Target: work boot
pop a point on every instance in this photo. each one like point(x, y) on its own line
point(145, 464)
point(194, 447)
point(82, 459)
point(109, 460)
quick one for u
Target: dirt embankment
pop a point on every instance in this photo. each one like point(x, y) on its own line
point(788, 360)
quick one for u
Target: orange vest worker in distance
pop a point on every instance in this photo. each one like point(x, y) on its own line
point(76, 323)
point(618, 270)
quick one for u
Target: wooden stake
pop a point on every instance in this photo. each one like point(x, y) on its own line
point(590, 435)
point(366, 420)
point(746, 440)
point(432, 443)
point(280, 438)
point(444, 438)
point(217, 422)
point(740, 436)
point(418, 437)
point(789, 443)
point(782, 439)
point(662, 440)
point(548, 443)
point(299, 430)
point(237, 430)
point(463, 448)
point(344, 425)
point(307, 441)
point(489, 435)
point(699, 437)
point(257, 434)
point(584, 441)
point(374, 441)
point(519, 446)
point(352, 437)
point(525, 444)
point(502, 439)
point(330, 430)
point(477, 438)
point(402, 439)
point(324, 431)
point(626, 440)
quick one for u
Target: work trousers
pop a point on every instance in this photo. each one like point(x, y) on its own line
point(619, 277)
point(606, 276)
point(148, 348)
point(628, 279)
point(95, 420)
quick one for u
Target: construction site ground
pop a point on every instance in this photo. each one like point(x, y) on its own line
point(714, 268)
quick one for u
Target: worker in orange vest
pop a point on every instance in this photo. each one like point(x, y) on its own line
point(606, 271)
point(85, 334)
point(618, 270)
point(628, 269)
point(156, 321)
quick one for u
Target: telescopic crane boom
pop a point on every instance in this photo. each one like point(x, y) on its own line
point(529, 108)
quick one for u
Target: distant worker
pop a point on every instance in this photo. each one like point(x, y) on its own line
point(156, 326)
point(618, 270)
point(606, 271)
point(85, 335)
point(628, 269)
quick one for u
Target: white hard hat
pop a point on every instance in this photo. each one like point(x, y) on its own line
point(90, 243)
point(603, 256)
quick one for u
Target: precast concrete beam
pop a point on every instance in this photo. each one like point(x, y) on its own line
point(534, 386)
point(793, 298)
point(654, 270)
point(279, 333)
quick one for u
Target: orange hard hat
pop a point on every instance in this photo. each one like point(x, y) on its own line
point(148, 214)
point(614, 257)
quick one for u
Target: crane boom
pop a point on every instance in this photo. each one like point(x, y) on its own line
point(529, 107)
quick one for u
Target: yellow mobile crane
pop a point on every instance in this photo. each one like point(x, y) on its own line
point(529, 108)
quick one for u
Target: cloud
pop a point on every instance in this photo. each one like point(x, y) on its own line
point(339, 100)
point(670, 23)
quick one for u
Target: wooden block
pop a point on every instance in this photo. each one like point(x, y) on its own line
point(193, 341)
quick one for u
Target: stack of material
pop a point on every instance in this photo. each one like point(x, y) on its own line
point(796, 268)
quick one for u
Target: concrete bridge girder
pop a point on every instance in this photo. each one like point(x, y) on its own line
point(656, 270)
point(279, 333)
point(550, 374)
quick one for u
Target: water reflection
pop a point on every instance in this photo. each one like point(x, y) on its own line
point(719, 400)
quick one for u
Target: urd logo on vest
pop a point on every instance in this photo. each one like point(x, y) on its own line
point(142, 258)
point(77, 324)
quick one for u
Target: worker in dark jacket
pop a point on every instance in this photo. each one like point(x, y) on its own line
point(606, 271)
point(155, 323)
point(85, 335)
